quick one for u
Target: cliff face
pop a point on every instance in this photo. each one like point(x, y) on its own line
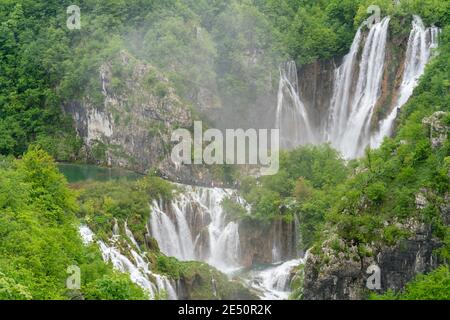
point(344, 276)
point(316, 83)
point(132, 126)
point(266, 244)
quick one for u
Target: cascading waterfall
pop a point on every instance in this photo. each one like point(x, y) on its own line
point(273, 282)
point(130, 235)
point(194, 227)
point(292, 117)
point(139, 270)
point(354, 114)
point(356, 92)
point(420, 45)
point(174, 237)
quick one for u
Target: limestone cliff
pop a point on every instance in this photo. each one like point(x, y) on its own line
point(131, 125)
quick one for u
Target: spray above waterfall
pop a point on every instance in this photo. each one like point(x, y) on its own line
point(357, 88)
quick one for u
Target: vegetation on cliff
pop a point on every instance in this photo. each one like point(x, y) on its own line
point(384, 190)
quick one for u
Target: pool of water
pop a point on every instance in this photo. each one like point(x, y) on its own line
point(76, 173)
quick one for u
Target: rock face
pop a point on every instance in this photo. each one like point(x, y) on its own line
point(316, 83)
point(343, 276)
point(266, 244)
point(132, 126)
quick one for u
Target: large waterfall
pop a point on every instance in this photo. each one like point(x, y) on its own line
point(354, 129)
point(356, 92)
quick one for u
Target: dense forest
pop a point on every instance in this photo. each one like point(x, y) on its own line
point(204, 46)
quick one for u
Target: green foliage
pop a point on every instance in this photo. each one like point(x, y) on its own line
point(305, 186)
point(228, 50)
point(39, 237)
point(103, 202)
point(10, 290)
point(202, 280)
point(233, 209)
point(114, 287)
point(297, 283)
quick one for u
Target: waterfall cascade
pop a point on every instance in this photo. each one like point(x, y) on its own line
point(138, 270)
point(273, 283)
point(354, 130)
point(194, 227)
point(356, 92)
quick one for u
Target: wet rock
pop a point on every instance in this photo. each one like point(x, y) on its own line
point(266, 244)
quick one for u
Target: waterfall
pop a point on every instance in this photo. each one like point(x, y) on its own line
point(86, 235)
point(194, 227)
point(420, 45)
point(343, 82)
point(138, 270)
point(174, 237)
point(274, 282)
point(130, 235)
point(292, 118)
point(356, 92)
point(350, 127)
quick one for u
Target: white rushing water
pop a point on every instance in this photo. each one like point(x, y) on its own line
point(420, 45)
point(194, 227)
point(356, 92)
point(138, 269)
point(354, 109)
point(273, 282)
point(341, 100)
